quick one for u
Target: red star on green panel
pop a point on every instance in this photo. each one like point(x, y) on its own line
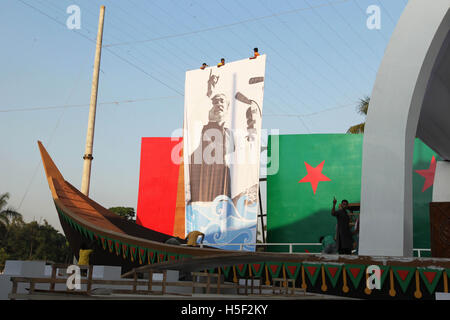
point(428, 174)
point(314, 175)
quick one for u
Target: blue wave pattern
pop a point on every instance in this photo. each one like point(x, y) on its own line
point(222, 222)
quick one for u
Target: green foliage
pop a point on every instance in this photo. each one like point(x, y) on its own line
point(125, 212)
point(362, 108)
point(30, 241)
point(34, 241)
point(7, 215)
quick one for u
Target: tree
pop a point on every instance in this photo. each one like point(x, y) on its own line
point(35, 241)
point(362, 109)
point(29, 241)
point(7, 215)
point(125, 212)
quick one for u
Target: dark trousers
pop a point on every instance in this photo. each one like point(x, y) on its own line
point(345, 251)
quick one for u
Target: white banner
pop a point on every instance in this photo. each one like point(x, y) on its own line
point(222, 136)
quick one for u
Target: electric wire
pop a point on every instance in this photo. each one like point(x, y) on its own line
point(223, 26)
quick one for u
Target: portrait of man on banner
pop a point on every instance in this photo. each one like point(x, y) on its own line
point(222, 142)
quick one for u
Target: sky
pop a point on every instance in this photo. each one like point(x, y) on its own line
point(321, 59)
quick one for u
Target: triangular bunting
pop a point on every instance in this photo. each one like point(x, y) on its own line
point(142, 254)
point(384, 271)
point(226, 270)
point(110, 245)
point(84, 232)
point(90, 235)
point(404, 275)
point(103, 242)
point(172, 256)
point(312, 270)
point(117, 246)
point(125, 249)
point(293, 269)
point(212, 270)
point(151, 256)
point(355, 273)
point(333, 272)
point(133, 253)
point(183, 256)
point(274, 268)
point(430, 277)
point(161, 255)
point(241, 269)
point(75, 227)
point(257, 268)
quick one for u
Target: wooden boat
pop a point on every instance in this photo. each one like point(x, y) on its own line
point(115, 240)
point(119, 242)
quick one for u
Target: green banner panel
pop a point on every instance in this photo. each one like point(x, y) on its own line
point(314, 168)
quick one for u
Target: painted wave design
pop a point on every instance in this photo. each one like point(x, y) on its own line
point(222, 222)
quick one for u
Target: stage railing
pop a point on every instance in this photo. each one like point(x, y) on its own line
point(290, 246)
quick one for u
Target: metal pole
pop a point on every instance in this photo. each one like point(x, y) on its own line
point(85, 182)
point(261, 215)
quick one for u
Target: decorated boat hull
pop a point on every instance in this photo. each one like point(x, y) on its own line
point(122, 243)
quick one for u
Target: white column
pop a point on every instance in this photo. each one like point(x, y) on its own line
point(386, 227)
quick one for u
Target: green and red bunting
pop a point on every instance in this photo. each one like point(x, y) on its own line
point(142, 254)
point(133, 253)
point(90, 234)
point(430, 277)
point(103, 242)
point(312, 270)
point(404, 275)
point(274, 268)
point(355, 273)
point(161, 256)
point(125, 250)
point(257, 269)
point(76, 227)
point(172, 256)
point(384, 271)
point(117, 246)
point(333, 272)
point(151, 256)
point(183, 256)
point(292, 269)
point(226, 270)
point(241, 269)
point(110, 245)
point(212, 270)
point(84, 232)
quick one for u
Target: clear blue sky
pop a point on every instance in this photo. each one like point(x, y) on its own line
point(321, 59)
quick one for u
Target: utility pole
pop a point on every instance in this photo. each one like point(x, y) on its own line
point(85, 182)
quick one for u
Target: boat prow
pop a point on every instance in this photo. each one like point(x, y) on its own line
point(116, 240)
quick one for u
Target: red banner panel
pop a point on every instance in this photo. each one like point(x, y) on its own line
point(158, 183)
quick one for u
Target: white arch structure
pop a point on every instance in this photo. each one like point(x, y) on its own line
point(411, 97)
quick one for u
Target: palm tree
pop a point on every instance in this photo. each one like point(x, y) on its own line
point(362, 109)
point(7, 215)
